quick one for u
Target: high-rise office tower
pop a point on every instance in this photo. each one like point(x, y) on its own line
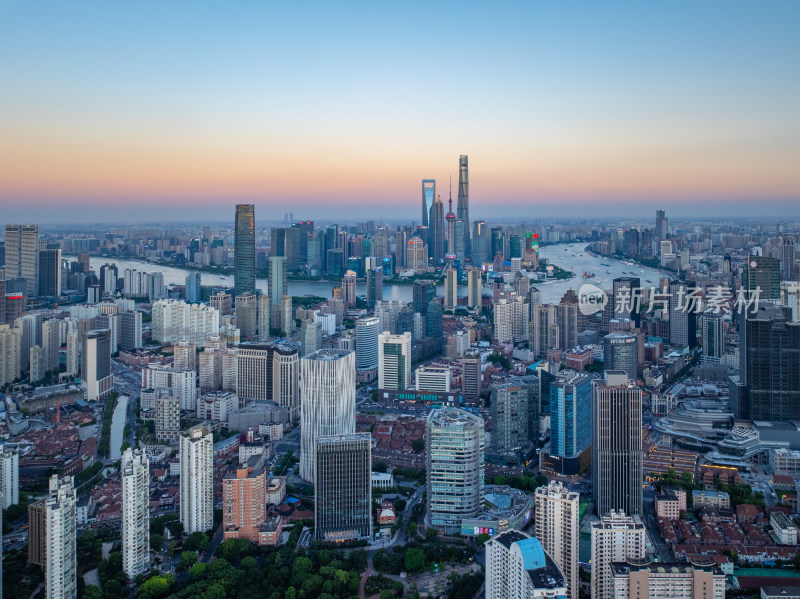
point(713, 337)
point(38, 364)
point(455, 446)
point(22, 256)
point(135, 474)
point(434, 319)
point(769, 370)
point(2, 296)
point(349, 289)
point(790, 296)
point(311, 336)
point(471, 378)
point(246, 314)
point(51, 343)
point(98, 379)
point(194, 289)
point(416, 254)
point(287, 315)
point(660, 233)
point(428, 195)
point(327, 401)
point(481, 243)
point(682, 314)
point(286, 379)
point(244, 501)
point(278, 282)
point(343, 487)
point(254, 372)
point(37, 533)
point(374, 286)
point(451, 289)
point(394, 361)
point(10, 350)
point(9, 477)
point(436, 232)
point(462, 208)
point(570, 421)
point(61, 524)
point(197, 479)
point(517, 567)
point(244, 271)
point(474, 288)
point(764, 277)
point(624, 305)
point(557, 528)
point(510, 417)
point(367, 331)
point(617, 474)
point(423, 292)
point(616, 537)
point(621, 352)
point(130, 330)
point(788, 258)
point(50, 272)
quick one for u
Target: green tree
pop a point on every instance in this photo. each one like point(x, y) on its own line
point(156, 542)
point(291, 593)
point(156, 587)
point(411, 529)
point(414, 559)
point(215, 591)
point(91, 592)
point(197, 571)
point(387, 594)
point(188, 558)
point(197, 541)
point(482, 538)
point(418, 445)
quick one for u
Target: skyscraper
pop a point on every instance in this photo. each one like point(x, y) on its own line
point(22, 256)
point(624, 290)
point(51, 343)
point(557, 528)
point(462, 209)
point(96, 374)
point(10, 350)
point(394, 361)
point(9, 477)
point(343, 487)
point(434, 320)
point(428, 195)
point(50, 273)
point(135, 512)
point(367, 331)
point(615, 538)
point(455, 447)
point(769, 346)
point(713, 337)
point(570, 422)
point(436, 232)
point(194, 290)
point(423, 292)
point(197, 479)
point(130, 330)
point(327, 402)
point(474, 288)
point(509, 417)
point(451, 289)
point(788, 258)
point(471, 378)
point(285, 379)
point(244, 502)
point(682, 314)
point(349, 289)
point(621, 352)
point(263, 311)
point(374, 286)
point(244, 266)
point(660, 233)
point(517, 567)
point(278, 274)
point(617, 474)
point(247, 314)
point(60, 533)
point(764, 277)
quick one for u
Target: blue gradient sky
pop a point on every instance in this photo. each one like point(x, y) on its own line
point(138, 110)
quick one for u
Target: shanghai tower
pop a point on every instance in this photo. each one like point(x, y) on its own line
point(462, 208)
point(244, 271)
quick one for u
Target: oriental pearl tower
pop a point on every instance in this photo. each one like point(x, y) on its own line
point(450, 217)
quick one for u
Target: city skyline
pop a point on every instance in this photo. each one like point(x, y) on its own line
point(594, 108)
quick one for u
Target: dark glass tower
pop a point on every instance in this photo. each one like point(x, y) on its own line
point(428, 196)
point(436, 231)
point(244, 273)
point(462, 208)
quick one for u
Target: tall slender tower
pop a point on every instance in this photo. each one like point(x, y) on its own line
point(436, 231)
point(451, 232)
point(22, 256)
point(135, 513)
point(327, 402)
point(60, 524)
point(197, 479)
point(617, 444)
point(462, 209)
point(557, 528)
point(428, 196)
point(244, 272)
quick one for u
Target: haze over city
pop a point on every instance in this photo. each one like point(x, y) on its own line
point(113, 112)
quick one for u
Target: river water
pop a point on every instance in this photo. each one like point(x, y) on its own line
point(118, 426)
point(571, 257)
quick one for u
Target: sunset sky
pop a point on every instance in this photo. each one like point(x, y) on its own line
point(172, 110)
